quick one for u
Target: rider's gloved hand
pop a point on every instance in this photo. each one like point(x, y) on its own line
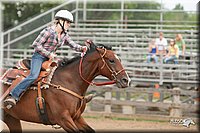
point(84, 49)
point(88, 42)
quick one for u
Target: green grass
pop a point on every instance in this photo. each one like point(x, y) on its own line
point(136, 119)
point(124, 118)
point(94, 117)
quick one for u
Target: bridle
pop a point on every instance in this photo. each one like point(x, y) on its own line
point(113, 72)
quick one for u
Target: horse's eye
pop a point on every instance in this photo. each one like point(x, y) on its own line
point(111, 61)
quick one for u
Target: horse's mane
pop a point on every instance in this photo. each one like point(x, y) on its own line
point(65, 61)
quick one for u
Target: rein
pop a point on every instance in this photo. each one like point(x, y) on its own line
point(113, 72)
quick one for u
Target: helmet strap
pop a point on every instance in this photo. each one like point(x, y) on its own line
point(62, 26)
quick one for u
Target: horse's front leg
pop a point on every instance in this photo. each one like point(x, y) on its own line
point(13, 124)
point(67, 123)
point(83, 126)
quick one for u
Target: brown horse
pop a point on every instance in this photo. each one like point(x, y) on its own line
point(63, 108)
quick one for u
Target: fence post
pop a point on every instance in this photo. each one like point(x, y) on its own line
point(126, 109)
point(88, 107)
point(108, 97)
point(175, 110)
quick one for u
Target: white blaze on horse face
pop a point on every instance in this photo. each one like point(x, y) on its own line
point(117, 57)
point(129, 79)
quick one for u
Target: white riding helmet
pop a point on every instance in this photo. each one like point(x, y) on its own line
point(64, 14)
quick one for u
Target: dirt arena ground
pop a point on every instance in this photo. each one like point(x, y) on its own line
point(102, 124)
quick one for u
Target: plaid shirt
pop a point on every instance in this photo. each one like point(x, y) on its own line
point(47, 42)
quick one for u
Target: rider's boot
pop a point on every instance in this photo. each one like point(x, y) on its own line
point(9, 102)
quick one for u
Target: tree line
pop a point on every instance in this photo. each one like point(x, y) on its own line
point(15, 13)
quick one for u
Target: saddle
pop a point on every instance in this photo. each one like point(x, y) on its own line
point(22, 69)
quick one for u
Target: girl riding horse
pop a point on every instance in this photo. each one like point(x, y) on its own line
point(65, 97)
point(45, 46)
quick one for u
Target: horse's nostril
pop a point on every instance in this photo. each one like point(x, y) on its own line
point(125, 80)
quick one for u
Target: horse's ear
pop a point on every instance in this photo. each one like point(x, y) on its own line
point(103, 46)
point(100, 46)
point(100, 50)
point(93, 46)
point(89, 43)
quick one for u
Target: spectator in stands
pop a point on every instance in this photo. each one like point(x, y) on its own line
point(180, 43)
point(153, 52)
point(161, 42)
point(173, 53)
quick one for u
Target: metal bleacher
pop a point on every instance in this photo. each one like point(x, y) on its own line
point(129, 39)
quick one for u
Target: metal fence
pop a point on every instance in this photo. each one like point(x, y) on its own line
point(134, 61)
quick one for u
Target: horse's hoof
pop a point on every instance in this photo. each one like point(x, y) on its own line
point(89, 97)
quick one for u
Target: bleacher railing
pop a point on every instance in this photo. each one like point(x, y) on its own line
point(135, 63)
point(127, 37)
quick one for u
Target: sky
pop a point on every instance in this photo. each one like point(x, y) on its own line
point(189, 5)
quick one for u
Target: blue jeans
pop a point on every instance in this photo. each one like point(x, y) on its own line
point(149, 57)
point(36, 65)
point(171, 58)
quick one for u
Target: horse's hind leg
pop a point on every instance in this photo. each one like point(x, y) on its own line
point(13, 124)
point(83, 126)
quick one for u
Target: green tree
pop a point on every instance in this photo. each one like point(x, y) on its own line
point(15, 13)
point(145, 15)
point(180, 15)
point(108, 15)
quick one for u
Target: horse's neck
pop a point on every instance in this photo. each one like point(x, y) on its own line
point(69, 76)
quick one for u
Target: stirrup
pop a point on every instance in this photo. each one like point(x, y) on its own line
point(9, 102)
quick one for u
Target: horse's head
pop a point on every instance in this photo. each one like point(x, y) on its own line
point(109, 65)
